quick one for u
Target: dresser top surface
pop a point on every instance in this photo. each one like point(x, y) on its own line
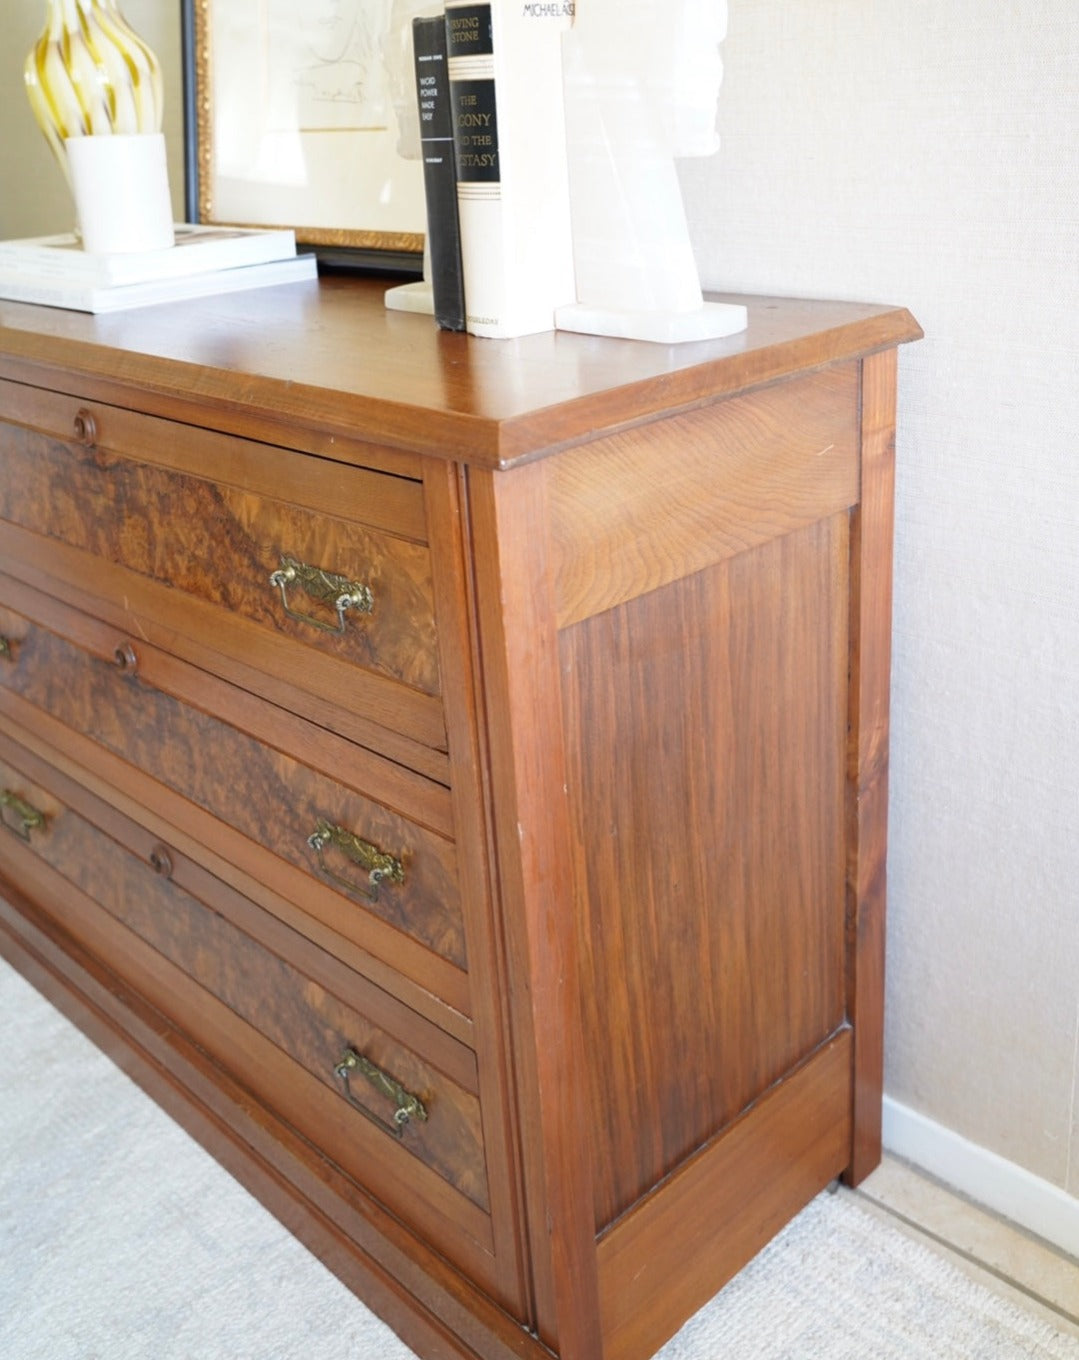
point(331, 355)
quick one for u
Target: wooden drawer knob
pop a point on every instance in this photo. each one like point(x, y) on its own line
point(85, 428)
point(126, 659)
point(161, 861)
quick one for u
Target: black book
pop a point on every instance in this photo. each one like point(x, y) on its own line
point(439, 171)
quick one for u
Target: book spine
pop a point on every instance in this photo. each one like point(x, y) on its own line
point(505, 70)
point(439, 171)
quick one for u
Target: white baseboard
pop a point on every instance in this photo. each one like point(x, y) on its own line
point(983, 1176)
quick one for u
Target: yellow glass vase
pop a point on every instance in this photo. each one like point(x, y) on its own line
point(90, 74)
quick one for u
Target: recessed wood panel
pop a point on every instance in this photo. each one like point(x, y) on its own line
point(708, 847)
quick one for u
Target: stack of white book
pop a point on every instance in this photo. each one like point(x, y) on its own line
point(55, 271)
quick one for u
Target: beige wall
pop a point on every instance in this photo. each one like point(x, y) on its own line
point(34, 198)
point(920, 153)
point(925, 153)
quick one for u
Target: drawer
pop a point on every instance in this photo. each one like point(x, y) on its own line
point(326, 842)
point(314, 573)
point(388, 1098)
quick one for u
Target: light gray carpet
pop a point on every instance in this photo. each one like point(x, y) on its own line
point(121, 1240)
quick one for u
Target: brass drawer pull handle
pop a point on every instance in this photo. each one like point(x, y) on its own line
point(380, 866)
point(325, 587)
point(27, 818)
point(85, 428)
point(408, 1106)
point(7, 648)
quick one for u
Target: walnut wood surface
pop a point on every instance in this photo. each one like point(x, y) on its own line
point(432, 1305)
point(221, 545)
point(489, 1005)
point(388, 498)
point(425, 981)
point(637, 510)
point(449, 1054)
point(430, 986)
point(667, 1258)
point(303, 1019)
point(262, 793)
point(531, 831)
point(708, 845)
point(330, 356)
point(867, 755)
point(635, 724)
point(380, 715)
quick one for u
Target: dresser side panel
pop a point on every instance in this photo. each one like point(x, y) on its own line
point(705, 731)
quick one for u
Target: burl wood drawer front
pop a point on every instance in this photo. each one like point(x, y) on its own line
point(361, 868)
point(316, 573)
point(388, 1098)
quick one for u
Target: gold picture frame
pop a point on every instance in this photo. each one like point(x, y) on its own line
point(294, 118)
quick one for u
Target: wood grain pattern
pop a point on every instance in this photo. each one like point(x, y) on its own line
point(635, 726)
point(432, 1305)
point(519, 644)
point(867, 755)
point(353, 367)
point(261, 793)
point(391, 500)
point(637, 510)
point(269, 1078)
point(301, 1017)
point(367, 710)
point(708, 845)
point(451, 1054)
point(220, 545)
point(678, 1248)
point(429, 984)
point(419, 799)
point(489, 1007)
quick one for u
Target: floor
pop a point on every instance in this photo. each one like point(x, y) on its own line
point(998, 1254)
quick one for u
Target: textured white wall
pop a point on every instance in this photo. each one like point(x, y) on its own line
point(926, 153)
point(34, 197)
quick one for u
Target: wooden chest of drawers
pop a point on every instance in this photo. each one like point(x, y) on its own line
point(451, 776)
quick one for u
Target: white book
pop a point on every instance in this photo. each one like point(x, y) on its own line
point(505, 69)
point(22, 286)
point(198, 250)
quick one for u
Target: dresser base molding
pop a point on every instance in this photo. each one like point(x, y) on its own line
point(726, 1203)
point(433, 1308)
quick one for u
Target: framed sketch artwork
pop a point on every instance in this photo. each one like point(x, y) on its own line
point(301, 114)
